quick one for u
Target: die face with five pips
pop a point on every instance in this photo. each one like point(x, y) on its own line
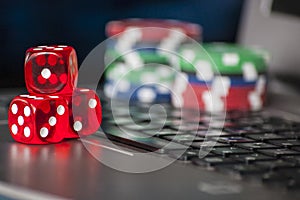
point(54, 109)
point(38, 119)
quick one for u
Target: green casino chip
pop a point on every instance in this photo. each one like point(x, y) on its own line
point(223, 58)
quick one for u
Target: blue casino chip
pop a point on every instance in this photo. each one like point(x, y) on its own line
point(147, 93)
point(235, 81)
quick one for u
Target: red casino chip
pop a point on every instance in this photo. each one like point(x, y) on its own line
point(190, 29)
point(237, 98)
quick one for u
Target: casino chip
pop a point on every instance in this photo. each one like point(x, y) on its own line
point(149, 73)
point(192, 30)
point(139, 41)
point(147, 93)
point(136, 51)
point(141, 54)
point(224, 59)
point(235, 80)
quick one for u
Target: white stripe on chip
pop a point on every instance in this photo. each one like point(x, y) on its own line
point(204, 70)
point(230, 59)
point(249, 72)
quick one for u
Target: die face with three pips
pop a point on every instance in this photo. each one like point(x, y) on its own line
point(54, 109)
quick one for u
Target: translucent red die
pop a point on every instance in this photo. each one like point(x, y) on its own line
point(38, 119)
point(85, 113)
point(51, 70)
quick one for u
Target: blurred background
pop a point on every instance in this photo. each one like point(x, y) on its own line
point(81, 24)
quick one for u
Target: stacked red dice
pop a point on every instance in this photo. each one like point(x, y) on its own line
point(54, 109)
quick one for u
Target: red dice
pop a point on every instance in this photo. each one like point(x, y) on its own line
point(51, 70)
point(85, 115)
point(54, 109)
point(38, 119)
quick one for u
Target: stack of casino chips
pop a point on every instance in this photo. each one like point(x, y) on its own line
point(221, 77)
point(138, 57)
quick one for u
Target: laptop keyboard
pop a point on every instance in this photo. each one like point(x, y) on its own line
point(243, 144)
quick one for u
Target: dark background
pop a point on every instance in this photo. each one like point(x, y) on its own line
point(290, 7)
point(82, 24)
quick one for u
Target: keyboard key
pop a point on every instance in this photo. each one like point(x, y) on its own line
point(244, 130)
point(265, 137)
point(279, 152)
point(256, 145)
point(211, 133)
point(233, 139)
point(183, 138)
point(286, 143)
point(208, 144)
point(227, 151)
point(252, 158)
